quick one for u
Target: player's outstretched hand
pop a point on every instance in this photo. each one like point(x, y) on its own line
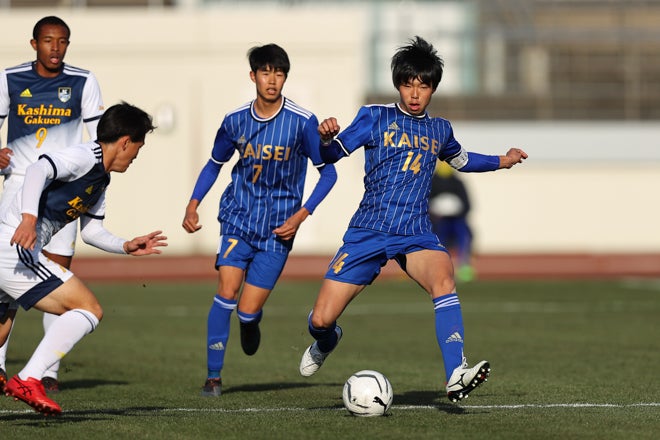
point(513, 156)
point(191, 218)
point(328, 129)
point(5, 157)
point(146, 244)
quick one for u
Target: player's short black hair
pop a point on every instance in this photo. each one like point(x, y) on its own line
point(417, 60)
point(50, 20)
point(269, 55)
point(121, 120)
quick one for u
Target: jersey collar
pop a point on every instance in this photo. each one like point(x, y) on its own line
point(257, 118)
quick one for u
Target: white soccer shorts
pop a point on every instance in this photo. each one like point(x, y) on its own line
point(26, 276)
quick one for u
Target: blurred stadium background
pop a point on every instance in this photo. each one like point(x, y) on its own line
point(576, 83)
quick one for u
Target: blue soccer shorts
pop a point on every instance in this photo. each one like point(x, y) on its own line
point(366, 251)
point(262, 268)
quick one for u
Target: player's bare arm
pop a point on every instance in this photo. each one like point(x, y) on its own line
point(5, 157)
point(191, 218)
point(513, 156)
point(328, 129)
point(146, 244)
point(289, 228)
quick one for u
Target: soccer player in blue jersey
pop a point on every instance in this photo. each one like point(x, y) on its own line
point(60, 187)
point(45, 103)
point(261, 209)
point(402, 144)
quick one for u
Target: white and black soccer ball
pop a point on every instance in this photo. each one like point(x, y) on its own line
point(368, 393)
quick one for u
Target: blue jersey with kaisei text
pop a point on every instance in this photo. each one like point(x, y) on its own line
point(268, 180)
point(46, 114)
point(401, 152)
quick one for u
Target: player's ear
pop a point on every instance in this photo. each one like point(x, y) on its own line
point(253, 76)
point(124, 141)
point(33, 43)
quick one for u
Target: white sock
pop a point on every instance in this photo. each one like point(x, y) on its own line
point(48, 320)
point(3, 349)
point(63, 334)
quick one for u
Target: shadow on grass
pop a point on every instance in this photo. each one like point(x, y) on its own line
point(273, 387)
point(67, 385)
point(36, 420)
point(429, 398)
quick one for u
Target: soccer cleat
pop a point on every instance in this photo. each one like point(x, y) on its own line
point(32, 392)
point(212, 387)
point(463, 380)
point(250, 337)
point(313, 358)
point(51, 385)
point(3, 379)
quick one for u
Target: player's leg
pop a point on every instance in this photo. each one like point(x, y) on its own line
point(7, 316)
point(60, 250)
point(79, 314)
point(232, 260)
point(250, 312)
point(433, 271)
point(224, 303)
point(355, 265)
point(50, 380)
point(331, 301)
point(11, 186)
point(265, 270)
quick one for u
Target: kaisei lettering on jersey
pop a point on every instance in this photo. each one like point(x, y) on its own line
point(268, 180)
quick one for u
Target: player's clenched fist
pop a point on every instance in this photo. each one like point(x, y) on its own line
point(328, 129)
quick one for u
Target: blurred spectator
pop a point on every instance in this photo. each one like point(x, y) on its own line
point(449, 206)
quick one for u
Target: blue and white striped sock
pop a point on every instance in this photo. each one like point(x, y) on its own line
point(449, 331)
point(218, 334)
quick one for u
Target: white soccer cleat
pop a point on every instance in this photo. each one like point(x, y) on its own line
point(313, 358)
point(463, 380)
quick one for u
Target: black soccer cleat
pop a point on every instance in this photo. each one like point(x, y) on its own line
point(250, 337)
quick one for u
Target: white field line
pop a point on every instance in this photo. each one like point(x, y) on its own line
point(394, 408)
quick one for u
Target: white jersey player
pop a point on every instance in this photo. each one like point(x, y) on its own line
point(45, 103)
point(60, 187)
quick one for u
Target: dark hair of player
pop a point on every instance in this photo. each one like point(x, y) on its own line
point(418, 60)
point(50, 20)
point(121, 120)
point(269, 55)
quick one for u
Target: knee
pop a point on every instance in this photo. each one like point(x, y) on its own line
point(96, 310)
point(445, 286)
point(226, 292)
point(319, 322)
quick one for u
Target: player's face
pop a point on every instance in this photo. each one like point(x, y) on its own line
point(270, 83)
point(415, 96)
point(51, 45)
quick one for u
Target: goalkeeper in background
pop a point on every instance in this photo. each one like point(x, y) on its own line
point(401, 145)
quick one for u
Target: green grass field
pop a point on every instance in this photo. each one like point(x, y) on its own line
point(570, 359)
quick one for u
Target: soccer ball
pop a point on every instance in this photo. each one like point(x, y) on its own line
point(367, 393)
